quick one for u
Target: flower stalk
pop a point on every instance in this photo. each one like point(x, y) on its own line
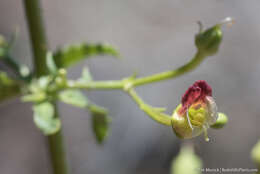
point(120, 84)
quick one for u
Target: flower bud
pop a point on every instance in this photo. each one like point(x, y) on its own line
point(196, 113)
point(221, 121)
point(208, 41)
point(186, 162)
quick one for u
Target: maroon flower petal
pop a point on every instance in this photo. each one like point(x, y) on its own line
point(198, 91)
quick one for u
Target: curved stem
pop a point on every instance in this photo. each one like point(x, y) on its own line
point(152, 112)
point(127, 85)
point(119, 84)
point(191, 65)
point(39, 46)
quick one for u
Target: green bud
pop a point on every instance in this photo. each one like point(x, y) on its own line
point(187, 162)
point(221, 121)
point(208, 41)
point(255, 154)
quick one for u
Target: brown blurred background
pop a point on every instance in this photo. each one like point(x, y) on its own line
point(152, 36)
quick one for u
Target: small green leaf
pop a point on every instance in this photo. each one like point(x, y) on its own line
point(187, 162)
point(100, 122)
point(44, 118)
point(8, 87)
point(73, 97)
point(51, 63)
point(86, 76)
point(74, 53)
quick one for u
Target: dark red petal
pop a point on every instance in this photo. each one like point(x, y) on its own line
point(198, 91)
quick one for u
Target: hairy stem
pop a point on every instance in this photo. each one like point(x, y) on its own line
point(39, 47)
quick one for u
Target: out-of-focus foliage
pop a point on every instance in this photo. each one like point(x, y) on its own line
point(3, 46)
point(256, 153)
point(187, 162)
point(100, 122)
point(45, 119)
point(73, 97)
point(8, 87)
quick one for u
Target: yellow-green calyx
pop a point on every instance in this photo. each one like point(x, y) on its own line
point(191, 123)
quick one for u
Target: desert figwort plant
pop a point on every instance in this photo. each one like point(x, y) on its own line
point(48, 83)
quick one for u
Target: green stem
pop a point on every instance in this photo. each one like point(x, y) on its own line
point(191, 65)
point(37, 34)
point(120, 84)
point(57, 151)
point(128, 84)
point(39, 47)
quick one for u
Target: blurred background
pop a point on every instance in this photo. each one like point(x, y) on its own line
point(152, 36)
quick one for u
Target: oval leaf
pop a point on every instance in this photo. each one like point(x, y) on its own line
point(44, 118)
point(73, 97)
